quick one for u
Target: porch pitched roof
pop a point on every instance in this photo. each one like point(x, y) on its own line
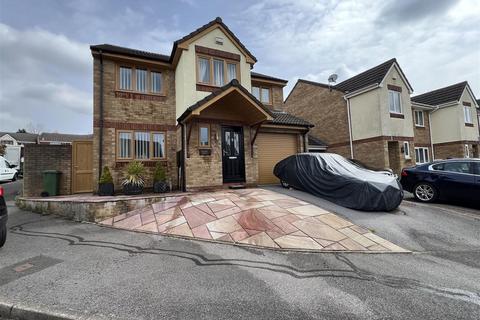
point(222, 91)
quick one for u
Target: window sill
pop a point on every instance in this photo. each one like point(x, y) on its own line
point(139, 95)
point(468, 124)
point(397, 115)
point(120, 163)
point(419, 127)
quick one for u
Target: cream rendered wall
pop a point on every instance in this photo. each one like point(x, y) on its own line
point(365, 115)
point(395, 126)
point(448, 124)
point(445, 124)
point(469, 133)
point(185, 72)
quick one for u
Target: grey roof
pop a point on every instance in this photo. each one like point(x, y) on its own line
point(206, 26)
point(313, 141)
point(63, 137)
point(24, 137)
point(109, 48)
point(284, 118)
point(368, 77)
point(442, 95)
point(266, 77)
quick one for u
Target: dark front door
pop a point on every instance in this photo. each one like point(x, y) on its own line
point(233, 157)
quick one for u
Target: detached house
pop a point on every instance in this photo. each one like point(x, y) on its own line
point(199, 111)
point(450, 113)
point(367, 117)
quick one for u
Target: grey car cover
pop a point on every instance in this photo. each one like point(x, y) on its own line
point(336, 179)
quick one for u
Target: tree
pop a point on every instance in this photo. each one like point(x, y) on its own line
point(21, 131)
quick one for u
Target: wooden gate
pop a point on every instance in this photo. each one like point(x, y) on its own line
point(82, 166)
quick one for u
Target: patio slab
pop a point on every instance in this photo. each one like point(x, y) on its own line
point(254, 217)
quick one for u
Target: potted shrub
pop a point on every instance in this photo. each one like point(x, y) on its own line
point(159, 182)
point(105, 184)
point(133, 182)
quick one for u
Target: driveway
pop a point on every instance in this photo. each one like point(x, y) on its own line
point(436, 228)
point(255, 217)
point(86, 269)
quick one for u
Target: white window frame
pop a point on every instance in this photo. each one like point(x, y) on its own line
point(467, 115)
point(416, 118)
point(406, 149)
point(424, 152)
point(399, 101)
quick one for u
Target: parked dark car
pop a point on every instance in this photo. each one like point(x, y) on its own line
point(454, 179)
point(341, 181)
point(3, 218)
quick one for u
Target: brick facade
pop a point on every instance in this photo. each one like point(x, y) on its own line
point(456, 149)
point(136, 112)
point(326, 109)
point(206, 170)
point(41, 157)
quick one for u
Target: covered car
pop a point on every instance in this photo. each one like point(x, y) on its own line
point(336, 179)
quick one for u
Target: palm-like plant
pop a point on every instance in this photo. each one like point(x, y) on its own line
point(134, 177)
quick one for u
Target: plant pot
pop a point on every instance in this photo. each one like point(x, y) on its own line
point(131, 189)
point(160, 187)
point(105, 189)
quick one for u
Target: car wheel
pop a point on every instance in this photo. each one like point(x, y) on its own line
point(3, 235)
point(284, 184)
point(425, 192)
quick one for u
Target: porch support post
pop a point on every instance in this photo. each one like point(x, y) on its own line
point(252, 140)
point(189, 133)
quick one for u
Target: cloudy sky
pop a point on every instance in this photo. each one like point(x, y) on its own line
point(46, 66)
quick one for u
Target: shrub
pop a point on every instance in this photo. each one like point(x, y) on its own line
point(135, 171)
point(159, 173)
point(106, 177)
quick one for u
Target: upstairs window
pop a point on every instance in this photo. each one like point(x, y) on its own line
point(394, 101)
point(467, 115)
point(215, 71)
point(262, 94)
point(156, 82)
point(419, 120)
point(125, 78)
point(141, 80)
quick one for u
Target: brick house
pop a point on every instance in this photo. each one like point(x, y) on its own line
point(367, 117)
point(199, 111)
point(451, 114)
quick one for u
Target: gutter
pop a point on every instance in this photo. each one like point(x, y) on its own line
point(430, 130)
point(349, 116)
point(183, 166)
point(100, 143)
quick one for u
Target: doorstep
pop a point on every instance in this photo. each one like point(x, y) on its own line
point(252, 217)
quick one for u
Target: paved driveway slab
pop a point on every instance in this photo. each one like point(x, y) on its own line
point(254, 217)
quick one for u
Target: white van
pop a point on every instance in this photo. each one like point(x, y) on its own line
point(7, 171)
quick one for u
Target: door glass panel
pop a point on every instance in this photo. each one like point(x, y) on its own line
point(236, 143)
point(226, 149)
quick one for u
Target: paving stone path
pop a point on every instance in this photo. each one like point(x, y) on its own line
point(254, 217)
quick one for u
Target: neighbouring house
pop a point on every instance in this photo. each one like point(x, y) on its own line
point(451, 113)
point(200, 111)
point(316, 145)
point(55, 138)
point(367, 117)
point(17, 138)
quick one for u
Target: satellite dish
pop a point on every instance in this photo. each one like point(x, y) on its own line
point(333, 78)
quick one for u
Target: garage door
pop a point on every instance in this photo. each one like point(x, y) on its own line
point(273, 147)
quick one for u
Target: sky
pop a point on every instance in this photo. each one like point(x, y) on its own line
point(46, 66)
